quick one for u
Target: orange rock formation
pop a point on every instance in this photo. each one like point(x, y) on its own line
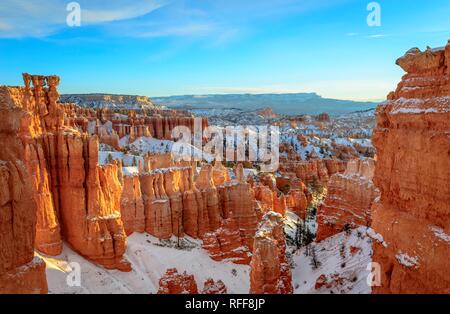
point(132, 204)
point(270, 273)
point(226, 243)
point(349, 199)
point(20, 272)
point(75, 197)
point(174, 283)
point(312, 170)
point(413, 174)
point(110, 125)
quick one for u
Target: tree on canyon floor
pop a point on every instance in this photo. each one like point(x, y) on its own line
point(315, 263)
point(109, 158)
point(303, 236)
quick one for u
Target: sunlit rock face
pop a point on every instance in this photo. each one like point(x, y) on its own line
point(270, 272)
point(175, 205)
point(281, 193)
point(226, 243)
point(238, 202)
point(132, 204)
point(77, 199)
point(349, 199)
point(20, 272)
point(413, 174)
point(172, 204)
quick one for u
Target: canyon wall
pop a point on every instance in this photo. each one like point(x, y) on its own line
point(112, 124)
point(87, 204)
point(131, 204)
point(413, 174)
point(20, 271)
point(77, 199)
point(349, 199)
point(314, 170)
point(224, 216)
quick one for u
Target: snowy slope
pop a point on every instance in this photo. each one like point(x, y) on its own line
point(332, 254)
point(150, 258)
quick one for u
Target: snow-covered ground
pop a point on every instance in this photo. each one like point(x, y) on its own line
point(150, 258)
point(334, 256)
point(144, 145)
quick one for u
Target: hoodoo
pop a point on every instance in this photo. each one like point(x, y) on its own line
point(270, 273)
point(20, 271)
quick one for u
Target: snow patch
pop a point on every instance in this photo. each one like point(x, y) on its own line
point(406, 260)
point(376, 236)
point(440, 233)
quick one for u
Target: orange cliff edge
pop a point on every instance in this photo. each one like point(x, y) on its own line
point(413, 175)
point(20, 271)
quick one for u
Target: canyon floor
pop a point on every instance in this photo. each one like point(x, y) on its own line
point(150, 258)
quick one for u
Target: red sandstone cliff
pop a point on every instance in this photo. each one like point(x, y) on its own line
point(226, 243)
point(312, 170)
point(132, 204)
point(282, 193)
point(238, 202)
point(349, 199)
point(270, 273)
point(76, 199)
point(110, 125)
point(413, 174)
point(20, 272)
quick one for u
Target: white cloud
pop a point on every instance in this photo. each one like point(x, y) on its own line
point(182, 30)
point(124, 12)
point(40, 18)
point(222, 20)
point(378, 36)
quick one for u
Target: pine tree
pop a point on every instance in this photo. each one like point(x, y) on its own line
point(314, 262)
point(299, 234)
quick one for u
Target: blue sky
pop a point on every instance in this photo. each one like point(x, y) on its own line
point(175, 47)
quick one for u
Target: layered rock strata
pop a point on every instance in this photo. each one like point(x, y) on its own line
point(226, 243)
point(349, 199)
point(315, 170)
point(110, 124)
point(132, 204)
point(76, 198)
point(270, 272)
point(413, 174)
point(20, 271)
